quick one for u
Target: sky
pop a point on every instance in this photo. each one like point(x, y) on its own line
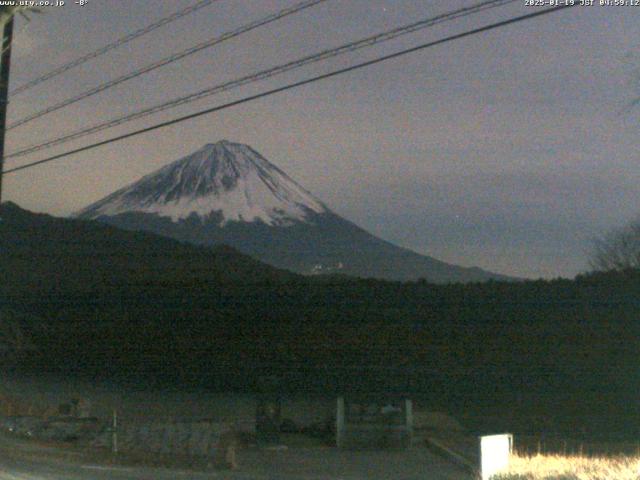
point(509, 150)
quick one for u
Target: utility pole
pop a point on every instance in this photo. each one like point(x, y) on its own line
point(5, 65)
point(114, 432)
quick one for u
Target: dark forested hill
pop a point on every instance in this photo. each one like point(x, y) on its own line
point(46, 254)
point(147, 309)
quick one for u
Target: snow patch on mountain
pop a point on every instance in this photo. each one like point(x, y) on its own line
point(225, 178)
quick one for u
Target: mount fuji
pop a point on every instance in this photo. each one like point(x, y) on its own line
point(227, 193)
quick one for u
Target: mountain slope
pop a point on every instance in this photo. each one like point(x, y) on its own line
point(227, 193)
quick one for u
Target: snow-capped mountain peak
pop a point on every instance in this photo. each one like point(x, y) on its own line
point(225, 178)
point(227, 193)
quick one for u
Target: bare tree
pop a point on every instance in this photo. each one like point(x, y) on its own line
point(618, 249)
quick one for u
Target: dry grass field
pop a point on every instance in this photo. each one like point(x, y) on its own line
point(559, 467)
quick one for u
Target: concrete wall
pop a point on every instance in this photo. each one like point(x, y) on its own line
point(363, 437)
point(193, 438)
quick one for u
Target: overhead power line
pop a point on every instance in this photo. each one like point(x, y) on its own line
point(107, 48)
point(264, 74)
point(170, 59)
point(290, 86)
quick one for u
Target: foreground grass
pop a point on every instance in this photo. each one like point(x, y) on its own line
point(558, 467)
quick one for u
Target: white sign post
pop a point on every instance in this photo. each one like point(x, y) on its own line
point(495, 451)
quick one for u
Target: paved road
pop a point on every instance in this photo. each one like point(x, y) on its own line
point(24, 460)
